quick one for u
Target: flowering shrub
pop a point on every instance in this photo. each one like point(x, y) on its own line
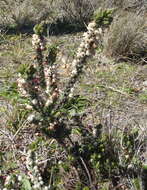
point(92, 157)
point(40, 83)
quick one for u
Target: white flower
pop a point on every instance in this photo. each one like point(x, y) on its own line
point(31, 118)
point(24, 92)
point(41, 44)
point(47, 72)
point(40, 178)
point(130, 166)
point(41, 182)
point(31, 177)
point(21, 81)
point(74, 63)
point(36, 169)
point(53, 80)
point(82, 45)
point(127, 156)
point(42, 47)
point(87, 45)
point(29, 153)
point(70, 95)
point(29, 107)
point(47, 89)
point(88, 53)
point(100, 31)
point(80, 54)
point(8, 178)
point(19, 178)
point(35, 36)
point(86, 35)
point(80, 49)
point(71, 92)
point(35, 40)
point(36, 186)
point(46, 188)
point(92, 25)
point(74, 72)
point(34, 101)
point(36, 161)
point(48, 102)
point(91, 29)
point(72, 89)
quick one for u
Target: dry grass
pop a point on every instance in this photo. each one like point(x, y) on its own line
point(17, 14)
point(75, 10)
point(117, 100)
point(126, 37)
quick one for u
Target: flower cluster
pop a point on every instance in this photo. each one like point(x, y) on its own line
point(34, 178)
point(12, 182)
point(22, 85)
point(24, 89)
point(34, 173)
point(8, 182)
point(87, 46)
point(37, 42)
point(51, 84)
point(86, 49)
point(41, 84)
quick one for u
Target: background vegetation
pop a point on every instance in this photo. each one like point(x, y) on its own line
point(106, 116)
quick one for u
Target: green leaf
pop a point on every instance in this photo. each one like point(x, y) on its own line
point(23, 68)
point(145, 167)
point(86, 188)
point(103, 17)
point(26, 185)
point(39, 28)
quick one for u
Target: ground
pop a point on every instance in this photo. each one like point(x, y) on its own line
point(116, 92)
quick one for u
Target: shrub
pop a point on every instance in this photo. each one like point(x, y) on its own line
point(17, 14)
point(79, 156)
point(126, 38)
point(78, 10)
point(130, 5)
point(38, 84)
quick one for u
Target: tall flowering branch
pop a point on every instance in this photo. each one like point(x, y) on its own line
point(46, 70)
point(40, 84)
point(32, 177)
point(34, 173)
point(39, 46)
point(32, 85)
point(87, 48)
